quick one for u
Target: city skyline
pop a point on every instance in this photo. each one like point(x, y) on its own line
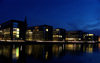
point(71, 15)
point(49, 31)
point(15, 30)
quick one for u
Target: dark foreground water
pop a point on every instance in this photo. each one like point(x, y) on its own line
point(50, 53)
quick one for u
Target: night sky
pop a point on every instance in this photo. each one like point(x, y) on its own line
point(69, 14)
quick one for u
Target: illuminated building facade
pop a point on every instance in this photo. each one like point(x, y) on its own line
point(90, 37)
point(46, 31)
point(74, 36)
point(99, 38)
point(59, 34)
point(29, 34)
point(18, 31)
point(39, 33)
point(13, 30)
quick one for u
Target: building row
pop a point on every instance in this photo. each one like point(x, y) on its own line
point(19, 31)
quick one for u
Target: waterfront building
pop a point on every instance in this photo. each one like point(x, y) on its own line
point(29, 33)
point(74, 36)
point(39, 33)
point(13, 30)
point(18, 31)
point(90, 37)
point(59, 34)
point(99, 39)
point(1, 33)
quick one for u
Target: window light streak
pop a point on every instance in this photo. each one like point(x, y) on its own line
point(17, 52)
point(46, 56)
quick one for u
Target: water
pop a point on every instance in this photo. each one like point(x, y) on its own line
point(50, 53)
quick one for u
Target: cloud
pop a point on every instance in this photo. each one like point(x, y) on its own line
point(92, 25)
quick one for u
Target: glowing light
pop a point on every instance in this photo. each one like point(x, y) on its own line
point(90, 34)
point(46, 56)
point(60, 36)
point(15, 32)
point(7, 33)
point(29, 30)
point(17, 52)
point(89, 50)
point(55, 50)
point(70, 47)
point(30, 50)
point(47, 30)
point(99, 45)
point(17, 36)
point(55, 35)
point(70, 39)
point(0, 30)
point(79, 38)
point(99, 39)
point(17, 29)
point(57, 29)
point(18, 33)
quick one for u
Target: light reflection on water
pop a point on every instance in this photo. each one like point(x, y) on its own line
point(49, 53)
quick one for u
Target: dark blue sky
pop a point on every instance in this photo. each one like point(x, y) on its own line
point(68, 14)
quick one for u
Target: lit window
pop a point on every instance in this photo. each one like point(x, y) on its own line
point(6, 32)
point(79, 38)
point(57, 29)
point(70, 38)
point(18, 33)
point(17, 29)
point(14, 32)
point(0, 30)
point(60, 36)
point(47, 30)
point(90, 34)
point(55, 36)
point(29, 30)
point(17, 36)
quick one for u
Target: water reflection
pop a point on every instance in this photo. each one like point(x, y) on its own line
point(89, 48)
point(41, 52)
point(15, 53)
